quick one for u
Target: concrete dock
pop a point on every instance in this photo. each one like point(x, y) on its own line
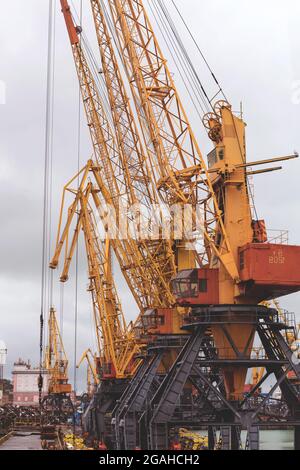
point(22, 441)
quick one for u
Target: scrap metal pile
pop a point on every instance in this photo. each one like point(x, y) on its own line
point(11, 415)
point(15, 416)
point(57, 410)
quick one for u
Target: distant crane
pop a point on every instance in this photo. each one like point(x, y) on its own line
point(116, 342)
point(58, 402)
point(56, 362)
point(92, 376)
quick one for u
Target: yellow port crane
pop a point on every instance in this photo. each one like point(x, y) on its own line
point(257, 372)
point(219, 191)
point(155, 260)
point(92, 376)
point(218, 194)
point(116, 342)
point(56, 361)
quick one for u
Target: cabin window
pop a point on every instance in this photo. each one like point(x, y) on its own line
point(152, 321)
point(186, 288)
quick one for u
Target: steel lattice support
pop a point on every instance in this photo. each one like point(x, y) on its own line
point(168, 409)
point(132, 401)
point(95, 420)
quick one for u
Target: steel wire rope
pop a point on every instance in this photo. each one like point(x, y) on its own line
point(186, 58)
point(176, 42)
point(94, 66)
point(48, 119)
point(180, 42)
point(51, 130)
point(220, 91)
point(198, 48)
point(61, 308)
point(199, 91)
point(176, 54)
point(76, 309)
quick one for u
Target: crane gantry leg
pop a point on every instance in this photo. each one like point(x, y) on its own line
point(169, 408)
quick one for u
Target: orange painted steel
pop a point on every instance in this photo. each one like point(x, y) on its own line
point(269, 270)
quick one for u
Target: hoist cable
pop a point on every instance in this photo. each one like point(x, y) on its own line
point(194, 72)
point(191, 72)
point(176, 57)
point(61, 309)
point(198, 48)
point(46, 190)
point(50, 191)
point(77, 247)
point(185, 63)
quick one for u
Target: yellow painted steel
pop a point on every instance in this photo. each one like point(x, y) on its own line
point(55, 360)
point(116, 342)
point(121, 179)
point(257, 372)
point(190, 440)
point(174, 147)
point(91, 361)
point(181, 173)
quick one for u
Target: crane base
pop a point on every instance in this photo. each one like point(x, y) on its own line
point(192, 393)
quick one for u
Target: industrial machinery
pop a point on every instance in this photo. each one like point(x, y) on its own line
point(200, 291)
point(148, 266)
point(92, 376)
point(117, 357)
point(116, 343)
point(57, 402)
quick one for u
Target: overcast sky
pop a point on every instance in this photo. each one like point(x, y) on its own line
point(254, 49)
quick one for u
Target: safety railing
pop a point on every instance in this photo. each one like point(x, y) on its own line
point(213, 353)
point(27, 421)
point(278, 237)
point(233, 315)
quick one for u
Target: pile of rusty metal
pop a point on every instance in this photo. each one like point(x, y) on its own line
point(13, 416)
